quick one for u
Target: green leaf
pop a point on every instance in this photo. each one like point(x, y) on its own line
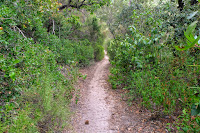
point(195, 66)
point(183, 48)
point(192, 15)
point(191, 41)
point(16, 61)
point(195, 110)
point(196, 40)
point(191, 28)
point(185, 129)
point(12, 75)
point(184, 111)
point(189, 37)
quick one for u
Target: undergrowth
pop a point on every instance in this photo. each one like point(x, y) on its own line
point(147, 65)
point(36, 43)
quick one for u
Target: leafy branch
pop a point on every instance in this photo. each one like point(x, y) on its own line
point(191, 39)
point(79, 4)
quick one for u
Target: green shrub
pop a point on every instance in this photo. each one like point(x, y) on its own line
point(98, 52)
point(150, 72)
point(83, 52)
point(34, 50)
point(44, 91)
point(34, 95)
point(112, 47)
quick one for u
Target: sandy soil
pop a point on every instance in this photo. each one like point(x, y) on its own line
point(101, 109)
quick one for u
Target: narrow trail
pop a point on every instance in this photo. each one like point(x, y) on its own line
point(98, 111)
point(93, 104)
point(104, 108)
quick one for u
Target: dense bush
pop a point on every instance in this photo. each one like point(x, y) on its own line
point(84, 52)
point(99, 52)
point(96, 37)
point(44, 92)
point(146, 63)
point(34, 49)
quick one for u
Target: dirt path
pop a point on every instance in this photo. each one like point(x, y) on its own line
point(92, 104)
point(102, 110)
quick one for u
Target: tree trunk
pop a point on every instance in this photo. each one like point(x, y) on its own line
point(180, 4)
